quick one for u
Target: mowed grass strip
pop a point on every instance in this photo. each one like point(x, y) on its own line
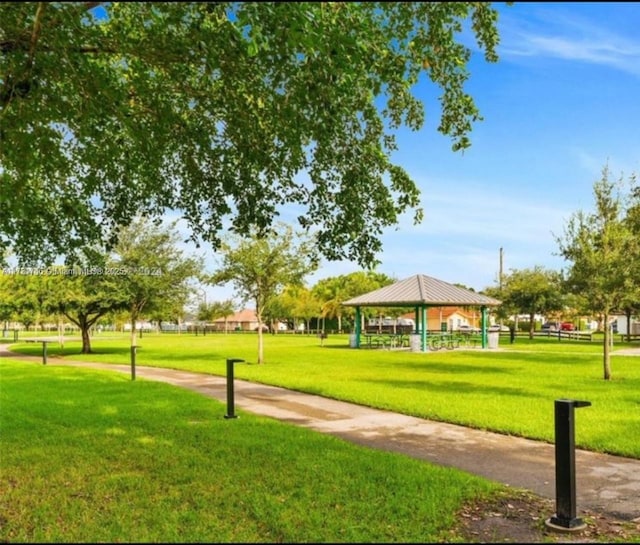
point(90, 456)
point(511, 390)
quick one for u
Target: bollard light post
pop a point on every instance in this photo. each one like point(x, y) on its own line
point(230, 393)
point(44, 352)
point(565, 518)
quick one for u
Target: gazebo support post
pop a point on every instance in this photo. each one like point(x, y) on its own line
point(358, 326)
point(483, 325)
point(423, 324)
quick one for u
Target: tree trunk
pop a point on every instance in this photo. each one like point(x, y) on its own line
point(628, 316)
point(133, 330)
point(606, 349)
point(260, 344)
point(531, 324)
point(86, 340)
point(60, 333)
point(260, 337)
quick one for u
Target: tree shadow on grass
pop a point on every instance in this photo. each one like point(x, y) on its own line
point(452, 368)
point(454, 387)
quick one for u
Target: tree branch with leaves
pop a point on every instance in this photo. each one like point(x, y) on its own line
point(223, 112)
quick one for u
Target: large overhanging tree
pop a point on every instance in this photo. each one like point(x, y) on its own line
point(224, 112)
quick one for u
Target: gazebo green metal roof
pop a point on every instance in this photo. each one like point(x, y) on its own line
point(420, 290)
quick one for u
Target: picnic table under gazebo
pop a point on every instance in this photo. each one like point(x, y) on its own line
point(421, 292)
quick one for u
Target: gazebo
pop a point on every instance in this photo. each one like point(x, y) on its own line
point(421, 292)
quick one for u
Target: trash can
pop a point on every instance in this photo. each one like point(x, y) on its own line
point(493, 337)
point(415, 342)
point(352, 341)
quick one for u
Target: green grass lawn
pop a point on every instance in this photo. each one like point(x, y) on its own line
point(510, 391)
point(90, 456)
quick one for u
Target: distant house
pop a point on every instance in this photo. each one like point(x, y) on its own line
point(140, 326)
point(449, 318)
point(244, 320)
point(620, 325)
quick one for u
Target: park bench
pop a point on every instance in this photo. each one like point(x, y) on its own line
point(44, 347)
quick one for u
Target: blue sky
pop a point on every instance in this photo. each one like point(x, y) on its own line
point(562, 102)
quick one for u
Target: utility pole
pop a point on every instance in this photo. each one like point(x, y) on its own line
point(500, 281)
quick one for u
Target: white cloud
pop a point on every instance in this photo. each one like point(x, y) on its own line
point(552, 34)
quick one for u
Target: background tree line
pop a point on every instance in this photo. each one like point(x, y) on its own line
point(268, 272)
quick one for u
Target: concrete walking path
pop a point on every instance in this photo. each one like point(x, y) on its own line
point(609, 484)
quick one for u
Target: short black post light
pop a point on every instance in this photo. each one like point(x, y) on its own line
point(565, 518)
point(230, 394)
point(44, 352)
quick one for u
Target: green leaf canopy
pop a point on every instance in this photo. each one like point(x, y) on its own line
point(224, 112)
